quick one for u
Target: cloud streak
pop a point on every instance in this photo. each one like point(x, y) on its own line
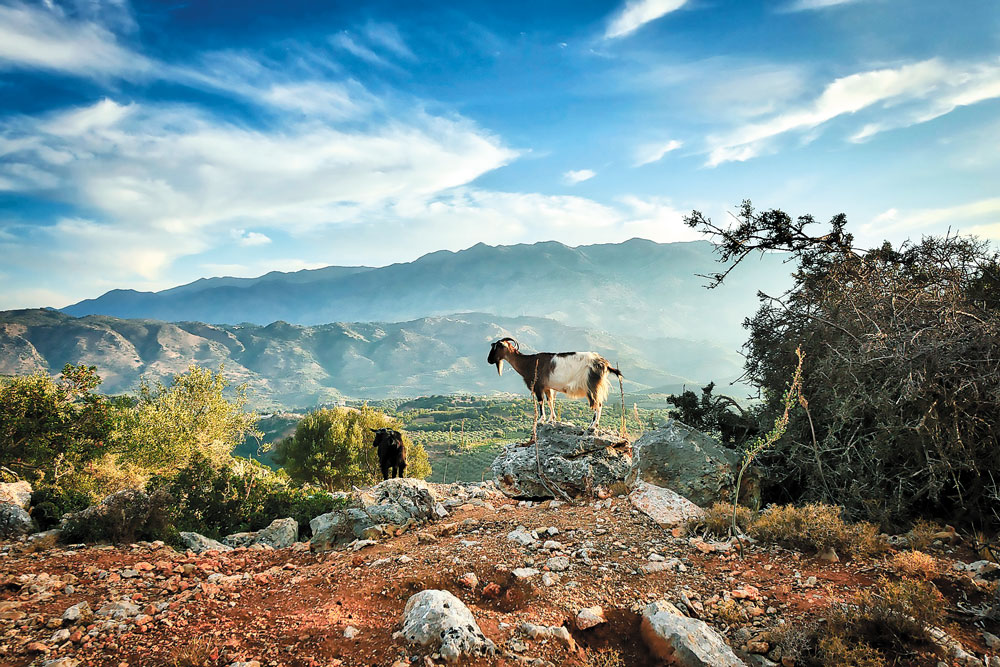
point(637, 13)
point(572, 177)
point(906, 95)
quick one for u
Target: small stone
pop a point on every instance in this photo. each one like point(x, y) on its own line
point(589, 617)
point(469, 580)
point(558, 563)
point(549, 579)
point(36, 647)
point(758, 647)
point(656, 558)
point(524, 572)
point(59, 636)
point(829, 555)
point(350, 632)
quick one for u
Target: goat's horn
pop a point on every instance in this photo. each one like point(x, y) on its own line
point(511, 340)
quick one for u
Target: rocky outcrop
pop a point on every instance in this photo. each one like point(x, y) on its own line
point(281, 534)
point(691, 463)
point(573, 462)
point(14, 521)
point(663, 505)
point(198, 543)
point(682, 641)
point(16, 493)
point(442, 622)
point(381, 510)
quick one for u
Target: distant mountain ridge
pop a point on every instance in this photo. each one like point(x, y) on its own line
point(637, 287)
point(292, 365)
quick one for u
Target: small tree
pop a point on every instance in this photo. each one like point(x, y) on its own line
point(332, 448)
point(48, 428)
point(168, 424)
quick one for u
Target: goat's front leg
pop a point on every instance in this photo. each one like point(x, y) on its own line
point(597, 418)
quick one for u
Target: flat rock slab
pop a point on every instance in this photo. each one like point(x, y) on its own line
point(573, 461)
point(16, 493)
point(682, 641)
point(664, 506)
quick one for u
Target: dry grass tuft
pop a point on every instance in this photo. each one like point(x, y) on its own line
point(818, 527)
point(718, 520)
point(198, 653)
point(608, 657)
point(916, 565)
point(921, 536)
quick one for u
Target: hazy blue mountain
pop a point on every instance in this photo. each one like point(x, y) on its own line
point(638, 288)
point(292, 365)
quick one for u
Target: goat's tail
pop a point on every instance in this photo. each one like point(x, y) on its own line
point(612, 369)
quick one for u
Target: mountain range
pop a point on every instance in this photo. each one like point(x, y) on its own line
point(291, 365)
point(416, 328)
point(637, 288)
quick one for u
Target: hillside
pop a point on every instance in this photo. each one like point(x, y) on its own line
point(637, 288)
point(293, 365)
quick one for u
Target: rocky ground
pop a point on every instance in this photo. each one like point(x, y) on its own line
point(521, 569)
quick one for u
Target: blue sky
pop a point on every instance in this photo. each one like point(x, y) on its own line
point(146, 144)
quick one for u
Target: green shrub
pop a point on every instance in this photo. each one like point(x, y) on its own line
point(243, 495)
point(333, 449)
point(49, 503)
point(125, 516)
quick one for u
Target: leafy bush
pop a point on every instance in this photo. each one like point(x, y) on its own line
point(835, 652)
point(241, 496)
point(49, 503)
point(891, 615)
point(815, 526)
point(47, 428)
point(904, 372)
point(166, 425)
point(333, 449)
point(125, 516)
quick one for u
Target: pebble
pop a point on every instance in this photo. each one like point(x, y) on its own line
point(589, 617)
point(350, 632)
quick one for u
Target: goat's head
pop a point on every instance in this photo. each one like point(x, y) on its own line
point(385, 435)
point(499, 351)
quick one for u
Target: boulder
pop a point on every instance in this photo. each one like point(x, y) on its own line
point(198, 543)
point(43, 541)
point(281, 534)
point(573, 460)
point(388, 505)
point(442, 622)
point(682, 641)
point(16, 493)
point(691, 463)
point(663, 506)
point(14, 521)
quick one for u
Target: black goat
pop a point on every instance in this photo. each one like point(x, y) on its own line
point(391, 452)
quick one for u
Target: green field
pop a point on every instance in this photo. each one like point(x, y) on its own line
point(463, 434)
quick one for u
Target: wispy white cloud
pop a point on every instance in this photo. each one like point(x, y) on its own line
point(654, 152)
point(806, 5)
point(981, 217)
point(346, 42)
point(247, 239)
point(387, 36)
point(637, 13)
point(43, 36)
point(574, 176)
point(905, 95)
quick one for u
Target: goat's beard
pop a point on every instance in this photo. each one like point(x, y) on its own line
point(500, 367)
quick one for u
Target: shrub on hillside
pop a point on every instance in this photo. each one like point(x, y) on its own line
point(48, 428)
point(125, 516)
point(332, 448)
point(49, 503)
point(904, 372)
point(243, 495)
point(815, 526)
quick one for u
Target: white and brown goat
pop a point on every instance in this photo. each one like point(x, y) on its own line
point(576, 374)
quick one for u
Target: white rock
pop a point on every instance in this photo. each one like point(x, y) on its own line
point(524, 572)
point(350, 632)
point(558, 563)
point(552, 545)
point(589, 617)
point(664, 506)
point(199, 543)
point(439, 620)
point(522, 536)
point(683, 641)
point(16, 493)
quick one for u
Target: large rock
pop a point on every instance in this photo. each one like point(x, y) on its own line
point(198, 543)
point(442, 622)
point(14, 521)
point(663, 506)
point(682, 641)
point(691, 463)
point(573, 461)
point(390, 504)
point(16, 493)
point(282, 533)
